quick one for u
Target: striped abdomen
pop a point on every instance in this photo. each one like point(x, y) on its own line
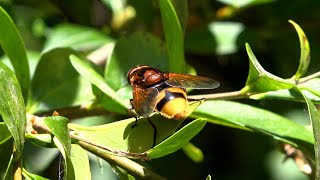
point(172, 102)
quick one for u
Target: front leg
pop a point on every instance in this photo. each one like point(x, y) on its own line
point(133, 115)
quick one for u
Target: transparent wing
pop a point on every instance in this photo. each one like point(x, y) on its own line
point(190, 81)
point(144, 100)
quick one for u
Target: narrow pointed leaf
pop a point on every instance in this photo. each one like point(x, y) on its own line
point(181, 9)
point(255, 119)
point(12, 108)
point(123, 135)
point(314, 116)
point(59, 128)
point(42, 140)
point(87, 71)
point(68, 166)
point(259, 80)
point(177, 140)
point(31, 176)
point(80, 162)
point(173, 35)
point(304, 52)
point(311, 89)
point(13, 45)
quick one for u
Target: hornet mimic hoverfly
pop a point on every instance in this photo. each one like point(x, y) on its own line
point(163, 92)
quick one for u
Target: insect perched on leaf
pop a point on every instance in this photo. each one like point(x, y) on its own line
point(163, 92)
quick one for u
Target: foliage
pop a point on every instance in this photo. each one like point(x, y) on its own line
point(74, 69)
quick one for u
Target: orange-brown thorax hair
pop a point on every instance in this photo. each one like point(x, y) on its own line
point(145, 76)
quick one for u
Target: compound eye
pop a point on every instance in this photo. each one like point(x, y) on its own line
point(141, 73)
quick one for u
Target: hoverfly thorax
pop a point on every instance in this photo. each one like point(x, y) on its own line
point(144, 76)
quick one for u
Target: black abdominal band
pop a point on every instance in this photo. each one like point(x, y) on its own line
point(168, 97)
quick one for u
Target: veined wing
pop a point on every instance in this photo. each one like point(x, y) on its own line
point(144, 100)
point(190, 81)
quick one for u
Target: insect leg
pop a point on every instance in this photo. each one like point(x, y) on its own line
point(154, 132)
point(133, 114)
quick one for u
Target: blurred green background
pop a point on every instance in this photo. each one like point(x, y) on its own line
point(214, 45)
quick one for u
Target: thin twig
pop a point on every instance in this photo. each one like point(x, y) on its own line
point(130, 166)
point(307, 78)
point(113, 151)
point(227, 95)
point(76, 112)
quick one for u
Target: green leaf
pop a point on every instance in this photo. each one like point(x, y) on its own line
point(173, 35)
point(12, 108)
point(124, 135)
point(68, 166)
point(304, 52)
point(193, 152)
point(42, 140)
point(30, 176)
point(75, 37)
point(12, 44)
point(311, 89)
point(181, 10)
point(226, 34)
point(80, 161)
point(121, 135)
point(314, 115)
point(87, 71)
point(177, 140)
point(255, 119)
point(56, 84)
point(136, 49)
point(58, 126)
point(259, 80)
point(103, 100)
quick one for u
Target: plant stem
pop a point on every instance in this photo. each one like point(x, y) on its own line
point(113, 151)
point(130, 166)
point(227, 95)
point(307, 78)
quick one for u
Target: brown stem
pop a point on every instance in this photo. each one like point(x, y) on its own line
point(130, 166)
point(113, 151)
point(78, 112)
